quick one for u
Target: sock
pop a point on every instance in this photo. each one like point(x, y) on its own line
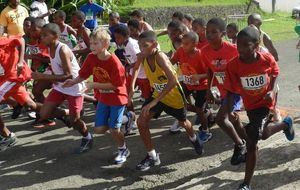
point(89, 136)
point(194, 138)
point(122, 147)
point(125, 119)
point(152, 153)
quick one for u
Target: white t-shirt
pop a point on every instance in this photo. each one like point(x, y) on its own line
point(130, 52)
point(39, 8)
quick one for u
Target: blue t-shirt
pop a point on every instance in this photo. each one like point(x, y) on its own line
point(91, 11)
point(112, 30)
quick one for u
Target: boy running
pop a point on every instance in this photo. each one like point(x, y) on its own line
point(110, 89)
point(216, 56)
point(167, 96)
point(199, 26)
point(253, 75)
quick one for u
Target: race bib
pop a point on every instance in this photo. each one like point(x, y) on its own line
point(159, 87)
point(2, 72)
point(220, 76)
point(188, 80)
point(254, 82)
point(89, 15)
point(33, 50)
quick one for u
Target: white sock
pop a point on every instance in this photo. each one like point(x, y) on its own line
point(122, 147)
point(152, 153)
point(89, 136)
point(194, 138)
point(125, 119)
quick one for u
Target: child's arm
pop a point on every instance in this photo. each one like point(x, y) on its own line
point(71, 31)
point(100, 86)
point(271, 93)
point(86, 40)
point(210, 77)
point(43, 59)
point(135, 72)
point(162, 60)
point(269, 45)
point(20, 63)
point(162, 33)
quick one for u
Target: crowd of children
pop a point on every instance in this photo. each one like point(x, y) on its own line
point(62, 58)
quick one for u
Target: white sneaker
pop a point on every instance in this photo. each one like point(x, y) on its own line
point(123, 154)
point(175, 128)
point(32, 115)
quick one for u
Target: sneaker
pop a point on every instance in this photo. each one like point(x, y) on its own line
point(198, 146)
point(45, 123)
point(239, 154)
point(16, 111)
point(175, 128)
point(32, 115)
point(244, 186)
point(123, 154)
point(86, 145)
point(4, 107)
point(129, 126)
point(204, 136)
point(7, 142)
point(289, 132)
point(148, 162)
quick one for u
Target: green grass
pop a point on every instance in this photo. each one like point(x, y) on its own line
point(175, 3)
point(279, 29)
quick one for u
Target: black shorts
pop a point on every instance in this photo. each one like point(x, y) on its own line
point(179, 114)
point(257, 120)
point(199, 96)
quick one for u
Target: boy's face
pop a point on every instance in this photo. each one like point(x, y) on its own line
point(246, 47)
point(147, 46)
point(188, 45)
point(120, 40)
point(98, 46)
point(187, 23)
point(35, 32)
point(27, 27)
point(231, 33)
point(174, 35)
point(200, 30)
point(213, 34)
point(47, 37)
point(133, 31)
point(14, 3)
point(57, 19)
point(76, 22)
point(113, 21)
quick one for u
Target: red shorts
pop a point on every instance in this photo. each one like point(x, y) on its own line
point(75, 102)
point(143, 84)
point(15, 90)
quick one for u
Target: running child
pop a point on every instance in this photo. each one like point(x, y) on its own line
point(216, 56)
point(232, 30)
point(143, 25)
point(194, 73)
point(114, 22)
point(110, 87)
point(199, 26)
point(133, 26)
point(188, 21)
point(253, 75)
point(64, 66)
point(67, 33)
point(167, 96)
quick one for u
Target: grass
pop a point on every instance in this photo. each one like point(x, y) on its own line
point(279, 26)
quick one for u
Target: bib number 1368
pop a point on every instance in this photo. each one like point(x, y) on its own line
point(254, 82)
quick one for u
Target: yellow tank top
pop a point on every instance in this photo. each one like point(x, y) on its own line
point(158, 80)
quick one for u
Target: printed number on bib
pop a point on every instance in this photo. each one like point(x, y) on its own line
point(254, 82)
point(159, 87)
point(220, 76)
point(188, 80)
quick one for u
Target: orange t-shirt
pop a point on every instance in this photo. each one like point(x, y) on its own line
point(191, 65)
point(252, 81)
point(201, 45)
point(216, 61)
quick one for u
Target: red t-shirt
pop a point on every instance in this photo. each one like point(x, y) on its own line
point(191, 65)
point(216, 61)
point(9, 57)
point(201, 45)
point(37, 49)
point(108, 71)
point(252, 81)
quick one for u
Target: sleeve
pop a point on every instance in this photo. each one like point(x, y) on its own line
point(86, 69)
point(176, 56)
point(98, 8)
point(117, 74)
point(231, 82)
point(3, 19)
point(34, 10)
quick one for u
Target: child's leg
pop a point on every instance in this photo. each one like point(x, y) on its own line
point(101, 118)
point(38, 90)
point(200, 100)
point(3, 129)
point(115, 123)
point(142, 123)
point(271, 129)
point(251, 160)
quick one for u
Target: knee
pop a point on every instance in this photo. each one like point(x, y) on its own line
point(100, 130)
point(185, 124)
point(251, 145)
point(141, 123)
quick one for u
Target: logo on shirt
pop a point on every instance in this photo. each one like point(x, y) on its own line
point(101, 75)
point(14, 16)
point(219, 62)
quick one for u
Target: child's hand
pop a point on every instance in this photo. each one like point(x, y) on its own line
point(52, 11)
point(269, 96)
point(19, 68)
point(68, 83)
point(195, 79)
point(146, 109)
point(130, 95)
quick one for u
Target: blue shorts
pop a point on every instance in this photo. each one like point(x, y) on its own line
point(237, 102)
point(110, 116)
